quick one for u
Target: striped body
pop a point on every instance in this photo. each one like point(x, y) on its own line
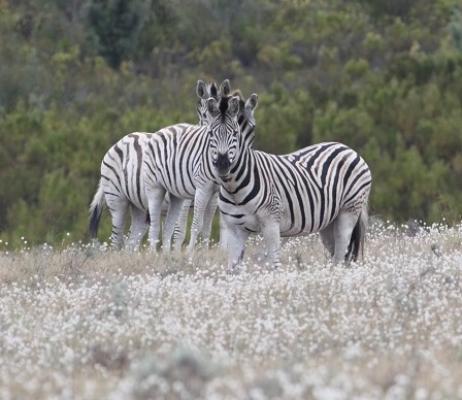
point(304, 190)
point(173, 160)
point(121, 169)
point(123, 187)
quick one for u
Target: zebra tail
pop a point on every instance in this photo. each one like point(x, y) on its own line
point(358, 237)
point(96, 209)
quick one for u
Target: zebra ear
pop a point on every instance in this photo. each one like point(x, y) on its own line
point(233, 106)
point(201, 89)
point(212, 106)
point(225, 88)
point(252, 102)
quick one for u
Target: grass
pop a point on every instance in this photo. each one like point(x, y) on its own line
point(87, 323)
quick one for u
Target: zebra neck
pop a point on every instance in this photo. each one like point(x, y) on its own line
point(247, 132)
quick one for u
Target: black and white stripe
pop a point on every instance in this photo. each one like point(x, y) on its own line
point(178, 162)
point(140, 169)
point(321, 188)
point(121, 185)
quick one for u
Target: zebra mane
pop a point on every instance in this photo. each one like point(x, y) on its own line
point(238, 93)
point(223, 105)
point(224, 101)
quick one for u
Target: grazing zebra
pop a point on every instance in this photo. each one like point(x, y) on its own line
point(320, 188)
point(121, 184)
point(178, 162)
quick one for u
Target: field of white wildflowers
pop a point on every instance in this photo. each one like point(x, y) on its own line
point(89, 323)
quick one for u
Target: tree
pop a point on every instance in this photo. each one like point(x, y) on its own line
point(116, 26)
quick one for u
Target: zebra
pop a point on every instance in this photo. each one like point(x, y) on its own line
point(121, 185)
point(177, 162)
point(321, 188)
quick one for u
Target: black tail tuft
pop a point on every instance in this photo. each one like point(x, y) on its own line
point(355, 242)
point(94, 222)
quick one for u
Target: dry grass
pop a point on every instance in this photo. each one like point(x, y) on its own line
point(88, 323)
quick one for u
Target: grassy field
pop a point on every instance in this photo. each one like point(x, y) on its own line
point(89, 323)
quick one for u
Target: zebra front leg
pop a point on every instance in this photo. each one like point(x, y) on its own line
point(155, 197)
point(181, 225)
point(201, 200)
point(173, 212)
point(223, 233)
point(138, 228)
point(272, 237)
point(235, 246)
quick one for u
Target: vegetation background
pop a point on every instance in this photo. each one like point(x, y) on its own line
point(383, 76)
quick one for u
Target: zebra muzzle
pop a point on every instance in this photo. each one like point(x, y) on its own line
point(222, 164)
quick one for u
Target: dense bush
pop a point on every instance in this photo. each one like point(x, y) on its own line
point(383, 77)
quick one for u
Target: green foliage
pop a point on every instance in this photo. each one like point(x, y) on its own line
point(384, 77)
point(116, 25)
point(456, 29)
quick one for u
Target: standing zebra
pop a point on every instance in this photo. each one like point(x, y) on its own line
point(121, 185)
point(178, 162)
point(320, 188)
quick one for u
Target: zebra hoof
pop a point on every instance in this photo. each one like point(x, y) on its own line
point(275, 266)
point(233, 271)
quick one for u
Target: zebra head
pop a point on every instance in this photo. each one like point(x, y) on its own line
point(206, 90)
point(224, 132)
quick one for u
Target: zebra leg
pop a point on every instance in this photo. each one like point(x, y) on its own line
point(173, 212)
point(272, 238)
point(343, 229)
point(155, 197)
point(201, 200)
point(208, 219)
point(327, 237)
point(236, 246)
point(181, 225)
point(223, 233)
point(138, 228)
point(118, 209)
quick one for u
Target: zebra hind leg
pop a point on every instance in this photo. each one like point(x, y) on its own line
point(138, 228)
point(344, 225)
point(118, 208)
point(327, 238)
